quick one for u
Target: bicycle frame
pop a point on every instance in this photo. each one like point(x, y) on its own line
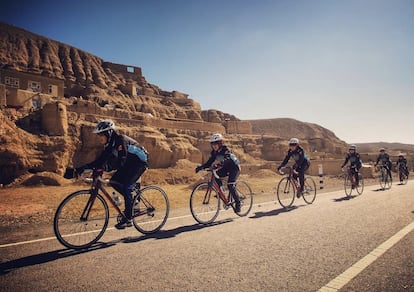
point(352, 175)
point(213, 185)
point(291, 178)
point(97, 185)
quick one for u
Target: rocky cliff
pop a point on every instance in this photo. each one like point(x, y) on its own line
point(172, 126)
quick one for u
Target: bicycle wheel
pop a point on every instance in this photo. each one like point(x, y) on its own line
point(383, 179)
point(81, 219)
point(245, 196)
point(348, 185)
point(309, 190)
point(360, 186)
point(204, 203)
point(403, 178)
point(151, 208)
point(285, 193)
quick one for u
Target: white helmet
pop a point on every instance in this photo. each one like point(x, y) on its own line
point(216, 138)
point(352, 147)
point(382, 149)
point(294, 141)
point(103, 126)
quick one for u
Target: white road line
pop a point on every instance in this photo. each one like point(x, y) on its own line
point(359, 266)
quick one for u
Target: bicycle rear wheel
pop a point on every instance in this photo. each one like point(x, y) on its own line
point(360, 186)
point(348, 185)
point(403, 178)
point(309, 190)
point(285, 193)
point(204, 203)
point(383, 179)
point(150, 209)
point(81, 219)
point(245, 196)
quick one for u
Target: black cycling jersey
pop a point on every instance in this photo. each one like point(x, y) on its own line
point(354, 159)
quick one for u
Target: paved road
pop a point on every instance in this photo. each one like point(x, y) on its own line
point(303, 249)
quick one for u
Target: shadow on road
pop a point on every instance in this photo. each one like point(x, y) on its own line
point(346, 198)
point(163, 234)
point(42, 258)
point(272, 212)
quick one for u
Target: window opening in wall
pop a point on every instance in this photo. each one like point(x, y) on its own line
point(12, 82)
point(130, 69)
point(34, 85)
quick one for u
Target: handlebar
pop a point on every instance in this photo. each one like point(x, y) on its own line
point(88, 175)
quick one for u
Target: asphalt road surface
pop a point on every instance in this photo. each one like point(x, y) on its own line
point(365, 243)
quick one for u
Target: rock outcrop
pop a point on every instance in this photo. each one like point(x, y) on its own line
point(172, 126)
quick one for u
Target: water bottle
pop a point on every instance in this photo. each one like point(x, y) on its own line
point(222, 189)
point(116, 199)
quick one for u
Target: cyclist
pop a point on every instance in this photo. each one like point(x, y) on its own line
point(302, 162)
point(402, 164)
point(355, 162)
point(124, 154)
point(385, 160)
point(226, 163)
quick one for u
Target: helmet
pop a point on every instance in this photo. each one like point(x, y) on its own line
point(401, 155)
point(217, 137)
point(293, 141)
point(352, 147)
point(104, 126)
point(382, 149)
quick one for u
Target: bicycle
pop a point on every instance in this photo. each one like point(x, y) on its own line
point(384, 179)
point(289, 186)
point(402, 174)
point(206, 196)
point(82, 217)
point(350, 182)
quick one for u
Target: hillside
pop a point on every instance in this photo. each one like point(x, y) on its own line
point(172, 126)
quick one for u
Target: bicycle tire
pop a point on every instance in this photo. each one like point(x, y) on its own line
point(309, 190)
point(204, 203)
point(348, 186)
point(245, 196)
point(383, 178)
point(360, 186)
point(403, 178)
point(285, 193)
point(150, 209)
point(74, 232)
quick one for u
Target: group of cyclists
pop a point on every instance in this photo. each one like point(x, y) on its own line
point(383, 159)
point(129, 159)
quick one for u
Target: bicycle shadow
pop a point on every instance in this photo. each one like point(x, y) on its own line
point(50, 256)
point(346, 198)
point(163, 234)
point(380, 190)
point(273, 212)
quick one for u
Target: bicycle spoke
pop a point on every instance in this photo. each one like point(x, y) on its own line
point(309, 190)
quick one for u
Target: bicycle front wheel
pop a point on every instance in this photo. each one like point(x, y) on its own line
point(285, 192)
point(204, 203)
point(348, 185)
point(81, 219)
point(150, 209)
point(245, 196)
point(360, 186)
point(309, 190)
point(403, 178)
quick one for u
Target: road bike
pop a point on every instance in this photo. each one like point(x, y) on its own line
point(350, 183)
point(206, 196)
point(384, 179)
point(402, 173)
point(82, 217)
point(288, 187)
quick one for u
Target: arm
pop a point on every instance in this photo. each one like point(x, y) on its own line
point(285, 161)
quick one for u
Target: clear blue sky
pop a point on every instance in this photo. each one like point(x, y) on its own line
point(345, 65)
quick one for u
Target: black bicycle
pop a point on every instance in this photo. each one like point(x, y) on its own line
point(384, 178)
point(82, 217)
point(402, 173)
